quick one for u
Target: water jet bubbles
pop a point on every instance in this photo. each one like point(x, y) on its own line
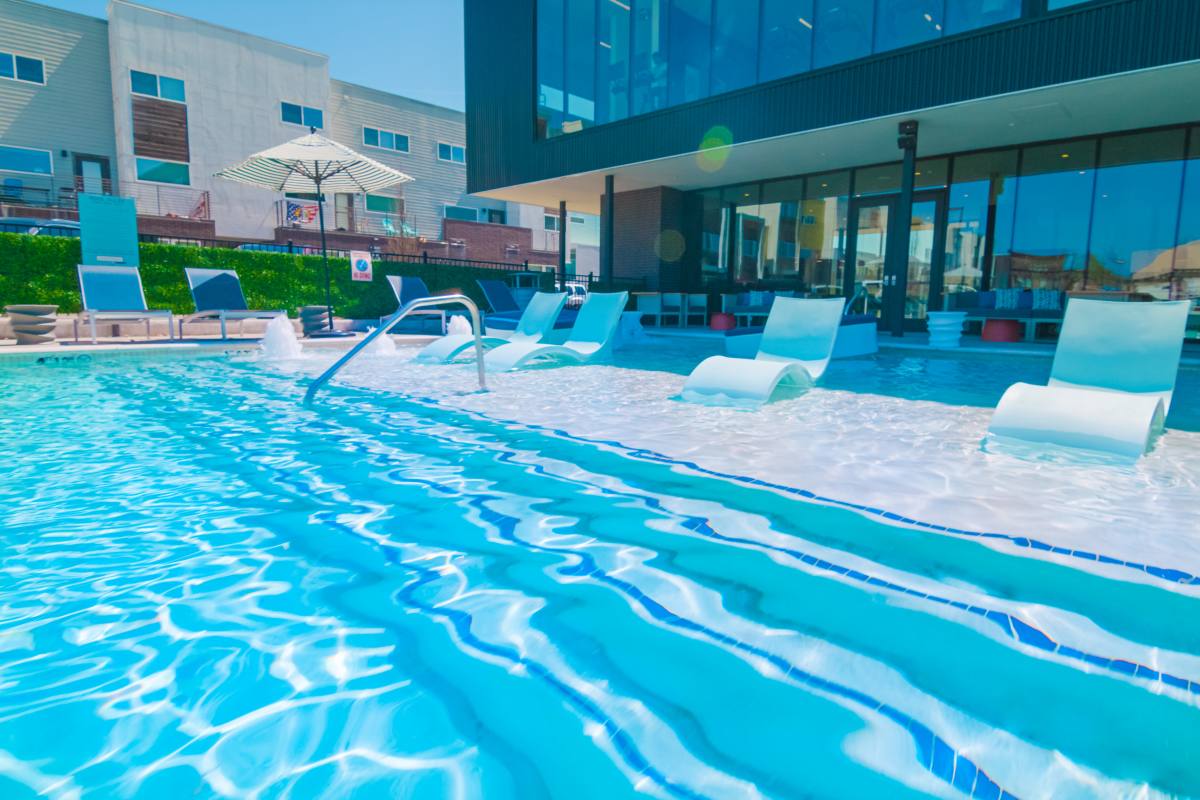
point(669, 245)
point(714, 148)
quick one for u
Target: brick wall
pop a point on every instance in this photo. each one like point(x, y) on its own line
point(649, 236)
point(485, 241)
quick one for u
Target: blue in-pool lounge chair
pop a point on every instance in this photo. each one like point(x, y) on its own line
point(1111, 383)
point(591, 337)
point(218, 294)
point(114, 294)
point(796, 347)
point(536, 321)
point(499, 297)
point(409, 289)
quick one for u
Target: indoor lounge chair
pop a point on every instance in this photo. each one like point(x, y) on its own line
point(796, 347)
point(114, 294)
point(218, 294)
point(535, 324)
point(591, 337)
point(1111, 382)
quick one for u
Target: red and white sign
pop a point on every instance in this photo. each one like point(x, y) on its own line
point(360, 265)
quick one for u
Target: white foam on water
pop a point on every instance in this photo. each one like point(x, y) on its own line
point(279, 343)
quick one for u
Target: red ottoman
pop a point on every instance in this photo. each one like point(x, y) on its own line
point(722, 322)
point(1001, 330)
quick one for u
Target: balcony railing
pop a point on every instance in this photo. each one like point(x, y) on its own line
point(180, 202)
point(353, 218)
point(36, 191)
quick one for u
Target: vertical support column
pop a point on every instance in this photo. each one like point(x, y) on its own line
point(900, 231)
point(562, 243)
point(606, 234)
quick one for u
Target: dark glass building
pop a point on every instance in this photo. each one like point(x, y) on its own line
point(900, 151)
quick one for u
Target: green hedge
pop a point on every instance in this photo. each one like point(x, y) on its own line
point(42, 269)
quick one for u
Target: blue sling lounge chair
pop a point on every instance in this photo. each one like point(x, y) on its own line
point(114, 294)
point(409, 289)
point(1111, 383)
point(796, 347)
point(536, 321)
point(218, 294)
point(591, 337)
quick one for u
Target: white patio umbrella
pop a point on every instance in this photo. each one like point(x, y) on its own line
point(314, 162)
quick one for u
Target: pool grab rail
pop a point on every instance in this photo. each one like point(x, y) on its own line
point(401, 313)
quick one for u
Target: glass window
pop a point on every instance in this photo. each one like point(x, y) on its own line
point(30, 69)
point(448, 152)
point(292, 113)
point(371, 137)
point(966, 15)
point(714, 222)
point(613, 61)
point(691, 48)
point(581, 64)
point(550, 67)
point(843, 29)
point(882, 179)
point(787, 30)
point(1053, 4)
point(401, 142)
point(980, 204)
point(314, 118)
point(171, 89)
point(550, 222)
point(443, 151)
point(387, 140)
point(749, 230)
point(149, 169)
point(649, 73)
point(384, 204)
point(899, 23)
point(735, 45)
point(821, 235)
point(461, 212)
point(24, 159)
point(779, 208)
point(7, 70)
point(1136, 208)
point(143, 83)
point(1050, 225)
point(1186, 278)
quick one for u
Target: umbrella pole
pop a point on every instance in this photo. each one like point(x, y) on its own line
point(324, 254)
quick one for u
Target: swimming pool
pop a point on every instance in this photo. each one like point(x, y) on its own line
point(573, 586)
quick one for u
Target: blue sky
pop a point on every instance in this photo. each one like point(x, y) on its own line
point(410, 47)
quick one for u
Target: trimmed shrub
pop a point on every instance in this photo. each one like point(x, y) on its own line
point(42, 269)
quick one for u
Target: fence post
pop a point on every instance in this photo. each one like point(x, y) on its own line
point(424, 256)
point(290, 247)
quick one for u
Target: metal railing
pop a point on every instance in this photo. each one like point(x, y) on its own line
point(169, 201)
point(36, 191)
point(390, 322)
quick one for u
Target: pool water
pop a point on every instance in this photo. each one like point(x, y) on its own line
point(576, 587)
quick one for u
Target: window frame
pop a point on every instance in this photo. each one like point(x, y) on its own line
point(303, 108)
point(466, 208)
point(14, 55)
point(158, 95)
point(452, 147)
point(137, 175)
point(49, 157)
point(378, 132)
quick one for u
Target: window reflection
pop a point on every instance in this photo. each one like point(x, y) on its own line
point(735, 43)
point(779, 209)
point(713, 230)
point(899, 23)
point(978, 214)
point(581, 64)
point(1186, 276)
point(691, 48)
point(787, 29)
point(749, 232)
point(1050, 233)
point(965, 15)
point(1136, 208)
point(821, 233)
point(649, 73)
point(551, 98)
point(612, 59)
point(843, 31)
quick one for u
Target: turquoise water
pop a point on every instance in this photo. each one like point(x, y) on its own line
point(209, 591)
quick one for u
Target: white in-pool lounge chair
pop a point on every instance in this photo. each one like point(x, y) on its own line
point(1111, 383)
point(114, 294)
point(537, 320)
point(796, 347)
point(218, 295)
point(590, 338)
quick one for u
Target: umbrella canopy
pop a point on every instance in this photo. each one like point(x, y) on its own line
point(310, 161)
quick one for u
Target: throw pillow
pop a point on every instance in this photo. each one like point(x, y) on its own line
point(1007, 299)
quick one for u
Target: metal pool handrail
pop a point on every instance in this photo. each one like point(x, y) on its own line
point(401, 313)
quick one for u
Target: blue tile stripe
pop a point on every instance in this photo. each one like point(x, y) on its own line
point(1170, 575)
